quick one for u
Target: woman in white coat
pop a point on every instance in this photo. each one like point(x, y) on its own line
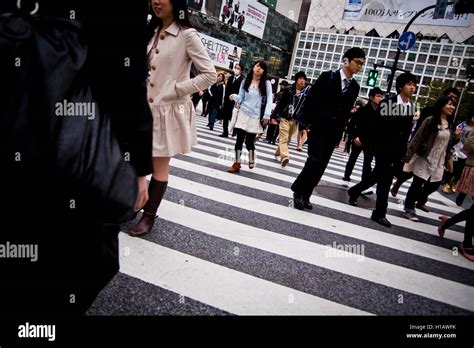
point(174, 45)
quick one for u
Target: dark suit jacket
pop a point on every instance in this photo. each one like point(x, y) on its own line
point(361, 123)
point(325, 105)
point(232, 87)
point(390, 132)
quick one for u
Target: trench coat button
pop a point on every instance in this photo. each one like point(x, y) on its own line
point(153, 67)
point(152, 84)
point(150, 100)
point(162, 37)
point(157, 51)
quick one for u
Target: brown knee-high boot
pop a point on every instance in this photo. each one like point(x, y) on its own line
point(156, 191)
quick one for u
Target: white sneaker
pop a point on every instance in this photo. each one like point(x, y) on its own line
point(367, 192)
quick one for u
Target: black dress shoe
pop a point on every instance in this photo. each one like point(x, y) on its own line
point(381, 220)
point(223, 135)
point(308, 205)
point(352, 200)
point(298, 201)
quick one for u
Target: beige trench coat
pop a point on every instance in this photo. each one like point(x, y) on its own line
point(169, 88)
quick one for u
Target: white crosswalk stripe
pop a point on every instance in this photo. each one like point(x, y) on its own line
point(233, 242)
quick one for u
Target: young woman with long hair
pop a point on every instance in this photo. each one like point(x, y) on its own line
point(255, 106)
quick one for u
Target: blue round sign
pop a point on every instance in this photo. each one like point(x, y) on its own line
point(406, 40)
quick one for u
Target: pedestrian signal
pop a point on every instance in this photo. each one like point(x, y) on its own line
point(372, 80)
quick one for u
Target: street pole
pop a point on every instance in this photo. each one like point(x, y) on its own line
point(397, 56)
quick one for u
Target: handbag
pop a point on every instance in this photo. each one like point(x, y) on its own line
point(51, 117)
point(233, 121)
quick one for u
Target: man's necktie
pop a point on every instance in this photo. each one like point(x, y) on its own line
point(346, 86)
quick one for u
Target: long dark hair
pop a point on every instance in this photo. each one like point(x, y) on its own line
point(440, 103)
point(180, 14)
point(263, 80)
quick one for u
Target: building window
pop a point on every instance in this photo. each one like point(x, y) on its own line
point(440, 71)
point(332, 38)
point(411, 57)
point(447, 49)
point(306, 54)
point(452, 72)
point(409, 66)
point(323, 47)
point(470, 51)
point(375, 42)
point(349, 40)
point(392, 54)
point(311, 64)
point(425, 47)
point(435, 48)
point(458, 50)
point(305, 62)
point(315, 46)
point(308, 45)
point(319, 64)
point(393, 45)
point(357, 41)
point(385, 44)
point(443, 60)
point(416, 47)
point(422, 58)
point(301, 44)
point(429, 70)
point(330, 48)
point(382, 53)
point(324, 38)
point(299, 53)
point(337, 57)
point(338, 49)
point(321, 55)
point(419, 69)
point(298, 61)
point(340, 39)
point(313, 55)
point(303, 36)
point(329, 56)
point(366, 42)
point(317, 37)
point(433, 59)
point(426, 80)
point(310, 36)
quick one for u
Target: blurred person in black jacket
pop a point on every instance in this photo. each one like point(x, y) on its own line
point(77, 256)
point(360, 122)
point(232, 87)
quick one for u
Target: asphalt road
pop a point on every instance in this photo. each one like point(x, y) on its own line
point(231, 244)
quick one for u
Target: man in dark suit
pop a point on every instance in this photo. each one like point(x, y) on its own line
point(388, 137)
point(232, 87)
point(326, 111)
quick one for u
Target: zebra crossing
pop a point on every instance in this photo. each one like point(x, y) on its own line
point(231, 244)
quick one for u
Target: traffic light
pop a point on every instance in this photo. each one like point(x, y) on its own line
point(463, 6)
point(372, 80)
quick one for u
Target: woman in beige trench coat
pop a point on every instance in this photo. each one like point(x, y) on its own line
point(173, 47)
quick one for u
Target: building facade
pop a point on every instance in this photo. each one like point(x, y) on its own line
point(275, 47)
point(319, 51)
